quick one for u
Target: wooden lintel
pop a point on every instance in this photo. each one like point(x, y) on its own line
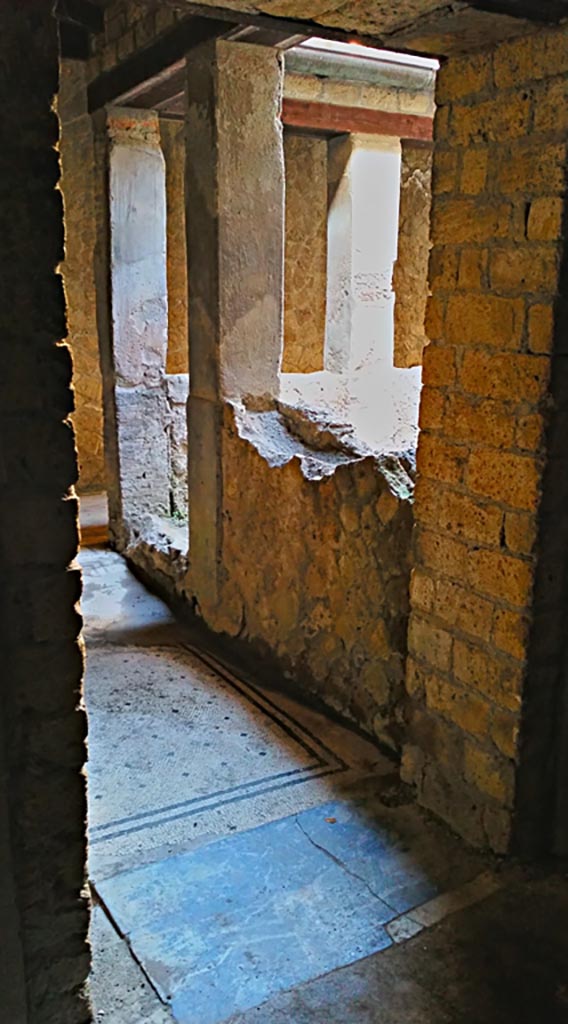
point(152, 61)
point(332, 119)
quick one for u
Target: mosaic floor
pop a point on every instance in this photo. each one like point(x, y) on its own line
point(241, 846)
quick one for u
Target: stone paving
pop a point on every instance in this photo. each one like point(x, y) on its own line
point(251, 860)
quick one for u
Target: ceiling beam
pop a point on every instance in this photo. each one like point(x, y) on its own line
point(80, 12)
point(151, 62)
point(331, 119)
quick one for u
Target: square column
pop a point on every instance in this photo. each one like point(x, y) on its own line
point(132, 310)
point(235, 247)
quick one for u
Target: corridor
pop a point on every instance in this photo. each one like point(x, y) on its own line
point(253, 861)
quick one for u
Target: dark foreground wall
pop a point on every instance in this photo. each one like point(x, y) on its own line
point(42, 733)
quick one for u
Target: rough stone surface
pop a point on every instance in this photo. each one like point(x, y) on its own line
point(410, 274)
point(177, 391)
point(328, 595)
point(480, 453)
point(173, 147)
point(43, 748)
point(305, 253)
point(134, 346)
point(77, 182)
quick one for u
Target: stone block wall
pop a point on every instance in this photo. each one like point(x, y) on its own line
point(78, 169)
point(305, 269)
point(499, 187)
point(315, 556)
point(42, 749)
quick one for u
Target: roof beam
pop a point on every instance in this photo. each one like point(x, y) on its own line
point(332, 119)
point(149, 64)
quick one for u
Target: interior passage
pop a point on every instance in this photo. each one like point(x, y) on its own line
point(231, 827)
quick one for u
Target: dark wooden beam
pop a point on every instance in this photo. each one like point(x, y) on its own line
point(80, 12)
point(156, 91)
point(544, 11)
point(74, 41)
point(150, 62)
point(327, 118)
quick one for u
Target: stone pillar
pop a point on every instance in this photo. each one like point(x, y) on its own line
point(486, 665)
point(235, 243)
point(364, 175)
point(306, 253)
point(410, 276)
point(172, 134)
point(78, 180)
point(133, 319)
point(339, 301)
point(375, 175)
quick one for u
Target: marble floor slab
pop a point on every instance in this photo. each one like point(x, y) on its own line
point(226, 927)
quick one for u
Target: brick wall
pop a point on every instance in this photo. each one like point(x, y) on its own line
point(40, 654)
point(498, 183)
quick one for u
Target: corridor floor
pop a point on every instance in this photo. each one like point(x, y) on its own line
point(253, 861)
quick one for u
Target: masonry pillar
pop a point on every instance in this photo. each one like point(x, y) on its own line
point(305, 252)
point(133, 318)
point(410, 274)
point(339, 301)
point(235, 245)
point(364, 175)
point(488, 600)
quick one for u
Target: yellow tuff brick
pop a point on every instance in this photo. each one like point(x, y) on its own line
point(513, 63)
point(462, 76)
point(481, 420)
point(444, 171)
point(532, 166)
point(472, 269)
point(459, 514)
point(504, 476)
point(498, 678)
point(442, 554)
point(443, 268)
point(530, 432)
point(439, 460)
point(455, 221)
point(500, 576)
point(520, 532)
point(421, 590)
point(491, 775)
point(510, 632)
point(504, 731)
point(511, 377)
point(429, 643)
point(541, 326)
point(526, 268)
point(551, 107)
point(545, 219)
point(434, 318)
point(496, 120)
point(459, 607)
point(439, 366)
point(484, 320)
point(467, 710)
point(474, 171)
point(432, 404)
